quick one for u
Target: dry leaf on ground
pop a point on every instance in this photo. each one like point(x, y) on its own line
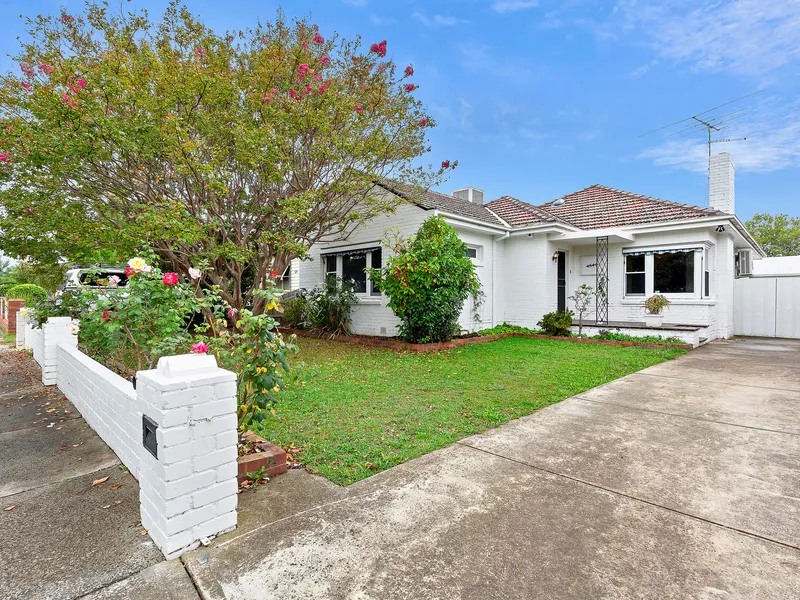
point(116, 486)
point(99, 481)
point(12, 507)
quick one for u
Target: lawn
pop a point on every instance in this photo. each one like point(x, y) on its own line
point(355, 410)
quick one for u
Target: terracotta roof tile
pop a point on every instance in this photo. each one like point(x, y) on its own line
point(517, 213)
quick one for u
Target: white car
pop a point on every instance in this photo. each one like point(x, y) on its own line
point(101, 278)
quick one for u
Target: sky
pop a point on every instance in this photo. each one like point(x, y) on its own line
point(540, 98)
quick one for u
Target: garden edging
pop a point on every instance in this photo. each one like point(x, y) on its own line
point(435, 347)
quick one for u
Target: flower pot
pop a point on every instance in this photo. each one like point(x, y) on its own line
point(653, 320)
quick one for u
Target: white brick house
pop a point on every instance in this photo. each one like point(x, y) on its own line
point(531, 258)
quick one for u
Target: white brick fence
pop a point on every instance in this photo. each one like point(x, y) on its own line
point(187, 477)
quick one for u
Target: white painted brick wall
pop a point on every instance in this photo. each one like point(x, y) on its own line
point(187, 493)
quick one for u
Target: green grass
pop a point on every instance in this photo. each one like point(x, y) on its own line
point(356, 410)
point(10, 339)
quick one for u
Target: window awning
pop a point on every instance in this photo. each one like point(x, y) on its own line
point(349, 252)
point(637, 252)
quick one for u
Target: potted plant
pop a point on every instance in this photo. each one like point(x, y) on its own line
point(654, 310)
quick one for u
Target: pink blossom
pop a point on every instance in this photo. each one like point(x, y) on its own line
point(273, 91)
point(325, 61)
point(5, 157)
point(317, 77)
point(381, 68)
point(67, 19)
point(293, 94)
point(273, 273)
point(379, 49)
point(27, 69)
point(409, 71)
point(81, 83)
point(318, 39)
point(322, 89)
point(64, 99)
point(195, 273)
point(199, 348)
point(303, 70)
point(309, 88)
point(232, 313)
point(423, 122)
point(170, 279)
point(73, 89)
point(445, 164)
point(410, 87)
point(46, 69)
point(199, 52)
point(266, 99)
point(359, 108)
point(26, 85)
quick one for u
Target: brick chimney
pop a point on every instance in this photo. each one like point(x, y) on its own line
point(720, 183)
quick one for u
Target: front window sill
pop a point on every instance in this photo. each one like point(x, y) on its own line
point(632, 301)
point(368, 300)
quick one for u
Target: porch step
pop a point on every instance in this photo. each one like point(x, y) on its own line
point(703, 341)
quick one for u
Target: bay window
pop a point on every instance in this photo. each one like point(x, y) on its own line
point(680, 272)
point(351, 266)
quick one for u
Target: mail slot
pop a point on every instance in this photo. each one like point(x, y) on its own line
point(149, 435)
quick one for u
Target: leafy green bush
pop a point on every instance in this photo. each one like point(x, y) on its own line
point(6, 286)
point(557, 323)
point(295, 312)
point(329, 307)
point(427, 280)
point(508, 328)
point(32, 294)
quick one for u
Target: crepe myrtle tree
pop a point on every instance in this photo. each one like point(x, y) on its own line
point(237, 151)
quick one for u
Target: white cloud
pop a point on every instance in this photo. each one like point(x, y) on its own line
point(437, 20)
point(773, 143)
point(509, 6)
point(479, 57)
point(747, 37)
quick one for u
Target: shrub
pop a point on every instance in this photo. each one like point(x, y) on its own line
point(507, 328)
point(255, 351)
point(295, 312)
point(32, 294)
point(329, 307)
point(427, 281)
point(557, 323)
point(624, 337)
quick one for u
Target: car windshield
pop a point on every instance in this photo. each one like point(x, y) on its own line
point(98, 277)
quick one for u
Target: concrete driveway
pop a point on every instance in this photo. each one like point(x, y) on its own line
point(680, 481)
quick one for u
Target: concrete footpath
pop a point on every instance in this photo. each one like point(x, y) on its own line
point(65, 538)
point(680, 481)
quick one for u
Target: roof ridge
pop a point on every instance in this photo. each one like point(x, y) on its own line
point(536, 210)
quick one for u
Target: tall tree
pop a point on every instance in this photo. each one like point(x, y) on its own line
point(233, 151)
point(779, 235)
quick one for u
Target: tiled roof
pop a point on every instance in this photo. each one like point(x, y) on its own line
point(597, 207)
point(516, 212)
point(430, 200)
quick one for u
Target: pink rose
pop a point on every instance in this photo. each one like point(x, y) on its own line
point(170, 279)
point(199, 348)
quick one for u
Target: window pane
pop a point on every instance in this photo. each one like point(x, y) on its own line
point(330, 266)
point(673, 273)
point(471, 253)
point(376, 264)
point(634, 263)
point(353, 266)
point(634, 284)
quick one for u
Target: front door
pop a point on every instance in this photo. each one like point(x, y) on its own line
point(562, 281)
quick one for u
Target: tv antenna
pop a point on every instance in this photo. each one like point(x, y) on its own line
point(711, 121)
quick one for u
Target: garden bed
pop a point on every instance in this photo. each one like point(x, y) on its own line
point(395, 344)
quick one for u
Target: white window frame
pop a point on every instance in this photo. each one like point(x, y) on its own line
point(625, 274)
point(649, 270)
point(370, 292)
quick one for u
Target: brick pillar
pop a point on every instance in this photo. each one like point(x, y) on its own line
point(54, 332)
point(13, 307)
point(188, 489)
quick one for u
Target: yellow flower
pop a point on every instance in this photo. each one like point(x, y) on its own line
point(137, 263)
point(276, 389)
point(264, 391)
point(249, 350)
